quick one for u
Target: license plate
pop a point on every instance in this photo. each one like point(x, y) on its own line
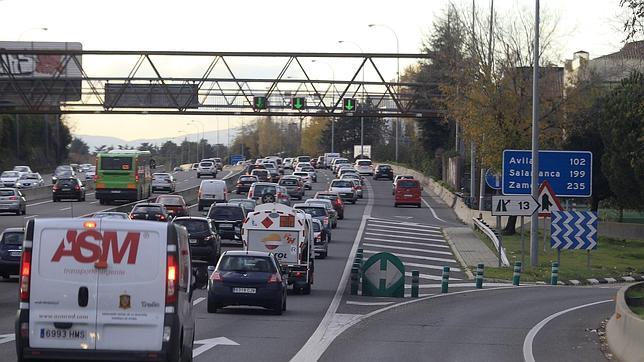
point(15, 253)
point(55, 333)
point(67, 189)
point(244, 290)
point(408, 195)
point(116, 191)
point(2, 207)
point(226, 226)
point(193, 241)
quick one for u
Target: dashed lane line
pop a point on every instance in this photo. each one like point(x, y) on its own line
point(432, 210)
point(353, 302)
point(408, 249)
point(409, 243)
point(404, 236)
point(414, 256)
point(198, 300)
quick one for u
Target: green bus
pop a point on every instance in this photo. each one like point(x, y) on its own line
point(123, 175)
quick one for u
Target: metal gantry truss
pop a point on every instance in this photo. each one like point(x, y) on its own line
point(204, 83)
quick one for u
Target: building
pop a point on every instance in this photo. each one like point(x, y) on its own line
point(609, 68)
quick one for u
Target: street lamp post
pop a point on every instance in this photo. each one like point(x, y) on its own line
point(203, 135)
point(363, 99)
point(332, 101)
point(197, 148)
point(397, 75)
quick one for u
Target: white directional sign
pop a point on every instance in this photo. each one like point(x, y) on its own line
point(209, 343)
point(390, 275)
point(514, 205)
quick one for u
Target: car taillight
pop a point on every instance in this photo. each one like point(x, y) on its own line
point(25, 275)
point(13, 198)
point(199, 194)
point(171, 280)
point(136, 177)
point(95, 178)
point(326, 221)
point(250, 194)
point(275, 278)
point(216, 277)
point(161, 217)
point(55, 188)
point(76, 187)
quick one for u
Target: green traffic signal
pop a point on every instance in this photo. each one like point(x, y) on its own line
point(298, 103)
point(349, 104)
point(259, 102)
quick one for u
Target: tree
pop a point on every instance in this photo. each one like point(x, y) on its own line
point(622, 134)
point(634, 25)
point(78, 146)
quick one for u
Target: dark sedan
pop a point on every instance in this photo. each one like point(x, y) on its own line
point(68, 188)
point(228, 219)
point(205, 244)
point(10, 251)
point(149, 211)
point(244, 182)
point(249, 278)
point(384, 171)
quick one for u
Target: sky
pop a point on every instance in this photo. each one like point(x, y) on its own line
point(277, 26)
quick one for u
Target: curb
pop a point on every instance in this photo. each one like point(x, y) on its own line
point(464, 267)
point(597, 281)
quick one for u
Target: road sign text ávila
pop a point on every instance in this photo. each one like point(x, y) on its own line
point(569, 172)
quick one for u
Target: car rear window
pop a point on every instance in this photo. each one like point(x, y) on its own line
point(170, 200)
point(142, 209)
point(260, 172)
point(342, 183)
point(316, 227)
point(226, 213)
point(194, 226)
point(247, 178)
point(246, 263)
point(264, 189)
point(303, 174)
point(10, 174)
point(364, 163)
point(13, 238)
point(288, 182)
point(206, 164)
point(7, 193)
point(314, 211)
point(67, 182)
point(116, 163)
point(407, 183)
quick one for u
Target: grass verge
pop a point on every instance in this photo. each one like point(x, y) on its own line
point(612, 258)
point(636, 292)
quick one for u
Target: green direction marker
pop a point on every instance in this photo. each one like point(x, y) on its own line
point(260, 102)
point(349, 104)
point(298, 103)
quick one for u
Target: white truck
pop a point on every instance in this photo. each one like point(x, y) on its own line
point(287, 233)
point(329, 157)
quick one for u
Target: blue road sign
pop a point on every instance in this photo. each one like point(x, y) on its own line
point(492, 179)
point(573, 230)
point(569, 172)
point(236, 158)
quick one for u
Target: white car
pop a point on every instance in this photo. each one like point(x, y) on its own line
point(23, 170)
point(338, 162)
point(207, 168)
point(132, 290)
point(90, 173)
point(345, 188)
point(9, 178)
point(306, 178)
point(364, 167)
point(288, 163)
point(29, 180)
point(162, 181)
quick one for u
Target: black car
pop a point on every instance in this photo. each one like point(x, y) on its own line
point(205, 243)
point(68, 188)
point(336, 200)
point(250, 278)
point(228, 219)
point(384, 171)
point(244, 182)
point(149, 211)
point(10, 251)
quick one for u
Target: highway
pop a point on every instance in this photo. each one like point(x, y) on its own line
point(467, 324)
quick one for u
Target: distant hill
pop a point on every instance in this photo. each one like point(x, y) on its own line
point(96, 141)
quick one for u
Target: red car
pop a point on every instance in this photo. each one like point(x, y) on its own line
point(175, 205)
point(408, 192)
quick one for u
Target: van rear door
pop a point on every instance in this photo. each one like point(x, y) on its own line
point(131, 286)
point(64, 284)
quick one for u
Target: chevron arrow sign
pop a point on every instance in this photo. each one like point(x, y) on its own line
point(573, 230)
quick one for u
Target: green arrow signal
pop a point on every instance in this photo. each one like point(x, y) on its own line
point(298, 103)
point(348, 104)
point(259, 102)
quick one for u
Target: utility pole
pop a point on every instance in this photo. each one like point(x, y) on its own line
point(534, 219)
point(472, 145)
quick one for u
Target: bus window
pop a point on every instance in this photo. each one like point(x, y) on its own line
point(116, 163)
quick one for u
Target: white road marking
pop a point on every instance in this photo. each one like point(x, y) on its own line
point(30, 216)
point(409, 224)
point(429, 276)
point(432, 210)
point(405, 237)
point(5, 338)
point(198, 300)
point(408, 243)
point(458, 285)
point(95, 202)
point(39, 203)
point(529, 339)
point(413, 256)
point(65, 208)
point(437, 232)
point(430, 266)
point(408, 249)
point(332, 323)
point(352, 302)
point(210, 343)
point(423, 233)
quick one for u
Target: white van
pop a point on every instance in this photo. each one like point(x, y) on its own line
point(210, 192)
point(105, 289)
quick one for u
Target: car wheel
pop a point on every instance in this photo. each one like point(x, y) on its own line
point(278, 308)
point(284, 303)
point(18, 212)
point(395, 205)
point(101, 201)
point(212, 306)
point(24, 211)
point(333, 226)
point(353, 202)
point(200, 208)
point(306, 290)
point(341, 216)
point(323, 255)
point(198, 175)
point(53, 199)
point(419, 206)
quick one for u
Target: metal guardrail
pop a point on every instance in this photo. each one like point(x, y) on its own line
point(492, 235)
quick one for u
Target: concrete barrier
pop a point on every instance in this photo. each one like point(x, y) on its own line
point(625, 330)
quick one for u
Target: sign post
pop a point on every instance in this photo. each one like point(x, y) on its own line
point(383, 276)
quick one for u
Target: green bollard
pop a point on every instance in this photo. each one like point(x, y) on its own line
point(360, 251)
point(415, 276)
point(445, 281)
point(479, 276)
point(554, 273)
point(354, 281)
point(516, 277)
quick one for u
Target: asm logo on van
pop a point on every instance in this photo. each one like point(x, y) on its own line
point(91, 246)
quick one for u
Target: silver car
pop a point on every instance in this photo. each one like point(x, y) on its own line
point(294, 186)
point(9, 178)
point(30, 180)
point(163, 182)
point(12, 200)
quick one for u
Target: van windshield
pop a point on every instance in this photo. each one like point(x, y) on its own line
point(407, 183)
point(246, 263)
point(226, 213)
point(13, 238)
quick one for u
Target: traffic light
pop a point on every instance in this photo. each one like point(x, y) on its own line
point(298, 103)
point(348, 104)
point(259, 102)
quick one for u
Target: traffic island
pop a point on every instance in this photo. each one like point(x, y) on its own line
point(625, 329)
